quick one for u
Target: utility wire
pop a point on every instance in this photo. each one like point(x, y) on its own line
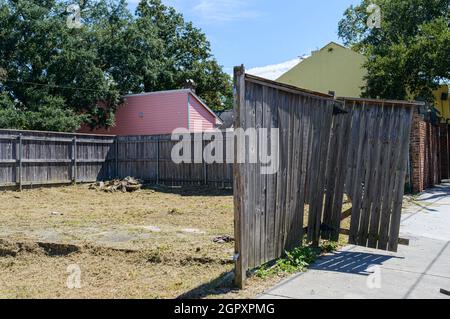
point(52, 86)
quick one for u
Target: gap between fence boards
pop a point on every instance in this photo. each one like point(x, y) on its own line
point(347, 214)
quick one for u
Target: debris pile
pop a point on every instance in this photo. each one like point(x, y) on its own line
point(223, 239)
point(128, 184)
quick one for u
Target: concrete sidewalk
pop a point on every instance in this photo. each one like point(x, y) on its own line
point(419, 270)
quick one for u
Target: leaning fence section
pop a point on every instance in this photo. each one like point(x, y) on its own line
point(328, 148)
point(270, 210)
point(372, 171)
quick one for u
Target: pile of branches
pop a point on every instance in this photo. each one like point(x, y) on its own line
point(128, 184)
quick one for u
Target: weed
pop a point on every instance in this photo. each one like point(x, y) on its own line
point(329, 246)
point(297, 260)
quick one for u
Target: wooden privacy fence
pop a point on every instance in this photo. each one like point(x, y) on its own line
point(327, 148)
point(150, 158)
point(30, 158)
point(444, 136)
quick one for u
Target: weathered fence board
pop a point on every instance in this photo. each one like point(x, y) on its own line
point(444, 150)
point(304, 121)
point(29, 158)
point(376, 170)
point(328, 148)
point(150, 158)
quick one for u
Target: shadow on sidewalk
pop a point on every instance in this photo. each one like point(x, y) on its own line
point(436, 193)
point(350, 262)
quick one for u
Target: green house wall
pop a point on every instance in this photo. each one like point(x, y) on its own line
point(333, 68)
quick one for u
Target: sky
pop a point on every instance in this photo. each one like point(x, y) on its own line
point(267, 36)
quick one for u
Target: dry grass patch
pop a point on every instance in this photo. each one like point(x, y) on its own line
point(153, 243)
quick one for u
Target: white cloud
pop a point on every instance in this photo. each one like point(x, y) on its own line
point(224, 10)
point(213, 11)
point(274, 71)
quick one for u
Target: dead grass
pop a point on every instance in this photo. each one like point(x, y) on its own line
point(154, 243)
point(104, 274)
point(122, 220)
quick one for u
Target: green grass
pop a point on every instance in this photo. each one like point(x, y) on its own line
point(297, 260)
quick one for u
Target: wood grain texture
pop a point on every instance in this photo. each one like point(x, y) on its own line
point(327, 149)
point(29, 158)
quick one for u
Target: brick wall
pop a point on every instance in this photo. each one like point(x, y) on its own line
point(425, 150)
point(417, 153)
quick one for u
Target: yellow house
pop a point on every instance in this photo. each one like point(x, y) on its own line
point(442, 102)
point(338, 69)
point(332, 68)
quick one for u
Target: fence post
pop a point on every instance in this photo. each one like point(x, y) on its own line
point(19, 155)
point(74, 160)
point(157, 161)
point(205, 165)
point(116, 158)
point(240, 255)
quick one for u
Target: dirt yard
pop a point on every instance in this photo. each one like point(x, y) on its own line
point(154, 243)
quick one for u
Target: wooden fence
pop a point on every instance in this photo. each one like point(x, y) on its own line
point(30, 158)
point(444, 135)
point(327, 148)
point(149, 158)
point(375, 167)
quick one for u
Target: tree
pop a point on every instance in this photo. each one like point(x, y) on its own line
point(156, 49)
point(409, 56)
point(184, 53)
point(49, 67)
